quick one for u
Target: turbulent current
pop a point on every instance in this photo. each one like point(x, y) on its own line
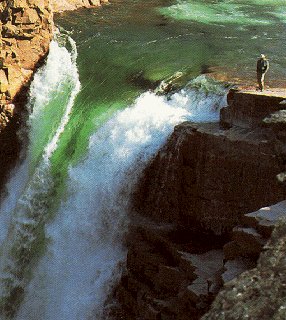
point(84, 255)
point(26, 209)
point(95, 120)
point(62, 265)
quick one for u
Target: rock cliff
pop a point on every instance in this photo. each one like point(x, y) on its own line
point(208, 175)
point(26, 31)
point(189, 234)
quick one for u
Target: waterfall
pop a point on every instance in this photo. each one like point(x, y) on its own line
point(85, 254)
point(26, 208)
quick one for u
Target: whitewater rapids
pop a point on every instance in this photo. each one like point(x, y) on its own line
point(85, 255)
point(82, 254)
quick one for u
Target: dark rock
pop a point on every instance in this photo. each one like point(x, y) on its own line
point(201, 183)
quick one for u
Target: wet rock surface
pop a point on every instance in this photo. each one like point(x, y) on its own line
point(210, 176)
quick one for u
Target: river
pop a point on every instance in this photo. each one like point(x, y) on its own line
point(95, 122)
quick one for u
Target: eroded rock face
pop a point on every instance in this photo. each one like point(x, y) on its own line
point(196, 196)
point(259, 293)
point(171, 273)
point(26, 30)
point(205, 175)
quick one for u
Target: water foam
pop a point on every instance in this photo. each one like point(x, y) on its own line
point(85, 255)
point(26, 207)
point(221, 12)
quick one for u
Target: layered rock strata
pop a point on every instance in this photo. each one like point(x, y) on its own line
point(211, 176)
point(189, 234)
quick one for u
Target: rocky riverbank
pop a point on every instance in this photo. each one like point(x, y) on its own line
point(190, 232)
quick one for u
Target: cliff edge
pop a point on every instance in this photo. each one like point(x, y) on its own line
point(211, 173)
point(195, 227)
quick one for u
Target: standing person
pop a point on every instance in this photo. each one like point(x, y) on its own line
point(261, 68)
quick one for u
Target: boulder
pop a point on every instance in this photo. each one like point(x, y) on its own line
point(247, 108)
point(265, 219)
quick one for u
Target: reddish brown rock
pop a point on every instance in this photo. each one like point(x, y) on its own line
point(26, 30)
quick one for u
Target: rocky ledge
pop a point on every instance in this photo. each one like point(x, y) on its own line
point(195, 225)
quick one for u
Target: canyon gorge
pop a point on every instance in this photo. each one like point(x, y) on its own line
point(191, 231)
point(203, 209)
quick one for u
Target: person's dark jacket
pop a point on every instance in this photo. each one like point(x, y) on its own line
point(262, 65)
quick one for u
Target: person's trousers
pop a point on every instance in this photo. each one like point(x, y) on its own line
point(260, 80)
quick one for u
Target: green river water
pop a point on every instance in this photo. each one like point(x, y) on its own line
point(121, 41)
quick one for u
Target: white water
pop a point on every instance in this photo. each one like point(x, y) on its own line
point(59, 68)
point(26, 205)
point(85, 253)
